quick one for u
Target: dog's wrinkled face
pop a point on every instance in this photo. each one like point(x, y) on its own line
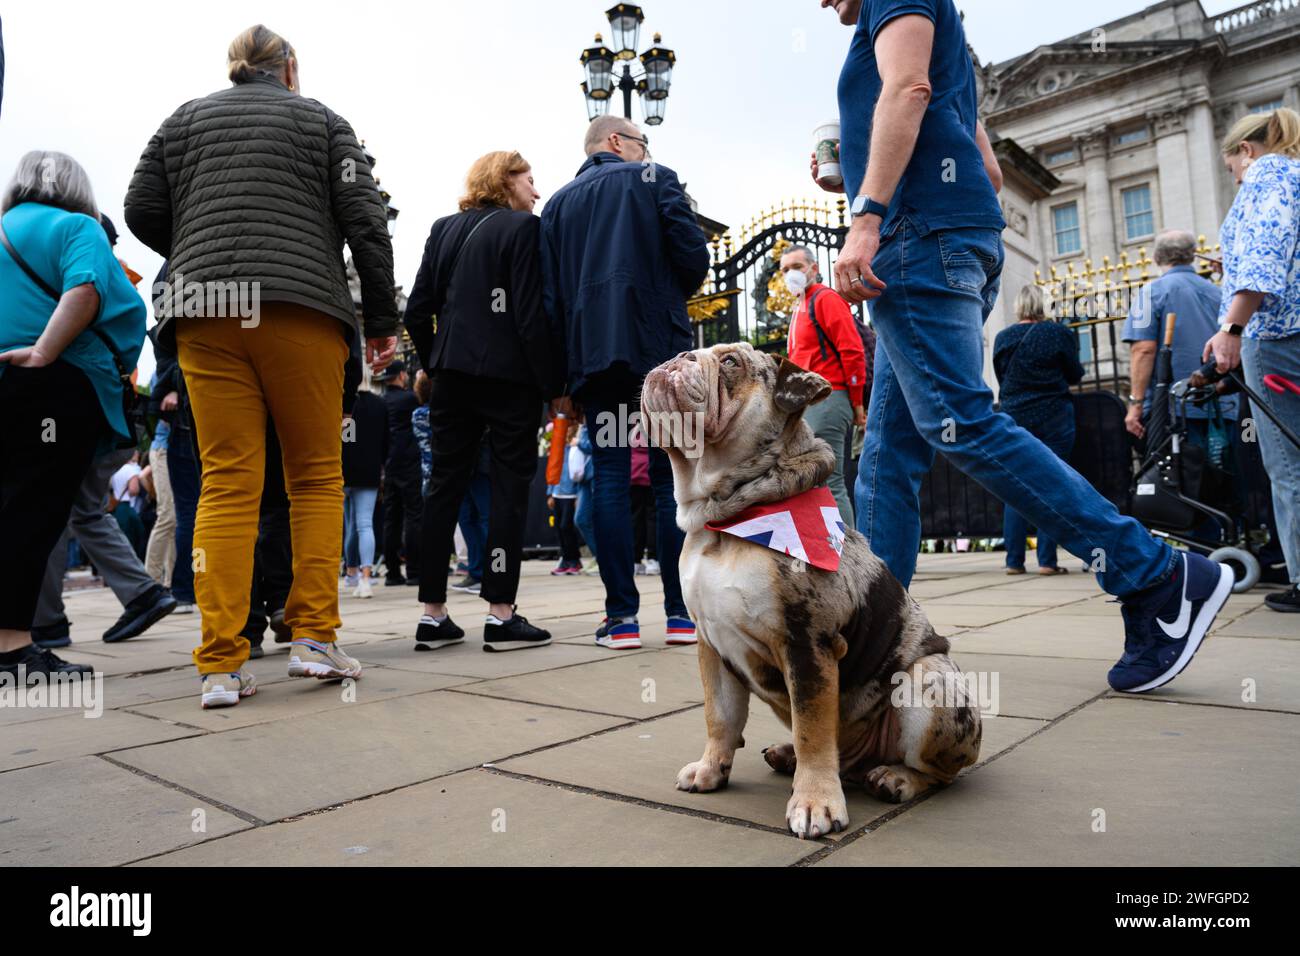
point(723, 395)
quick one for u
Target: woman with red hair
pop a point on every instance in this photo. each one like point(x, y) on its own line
point(475, 316)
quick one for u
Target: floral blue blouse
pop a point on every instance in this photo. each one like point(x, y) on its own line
point(1261, 247)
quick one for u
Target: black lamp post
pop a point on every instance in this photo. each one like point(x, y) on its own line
point(599, 61)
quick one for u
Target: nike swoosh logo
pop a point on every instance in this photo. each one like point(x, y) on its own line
point(1179, 628)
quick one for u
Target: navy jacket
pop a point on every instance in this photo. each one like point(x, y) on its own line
point(621, 253)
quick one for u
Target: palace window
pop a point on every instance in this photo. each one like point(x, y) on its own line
point(1139, 218)
point(1065, 225)
point(1059, 156)
point(1132, 137)
point(1268, 107)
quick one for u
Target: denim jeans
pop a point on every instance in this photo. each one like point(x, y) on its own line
point(1014, 526)
point(183, 470)
point(583, 519)
point(612, 397)
point(473, 521)
point(929, 394)
point(1261, 357)
point(359, 526)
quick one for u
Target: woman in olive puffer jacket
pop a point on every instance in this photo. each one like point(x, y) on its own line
point(251, 193)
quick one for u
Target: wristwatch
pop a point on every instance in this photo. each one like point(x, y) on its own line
point(1231, 329)
point(1134, 400)
point(866, 206)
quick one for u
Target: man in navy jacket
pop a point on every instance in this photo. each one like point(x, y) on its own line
point(621, 253)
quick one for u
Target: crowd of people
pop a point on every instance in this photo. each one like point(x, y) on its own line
point(275, 449)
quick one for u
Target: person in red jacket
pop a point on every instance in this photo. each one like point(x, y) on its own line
point(824, 339)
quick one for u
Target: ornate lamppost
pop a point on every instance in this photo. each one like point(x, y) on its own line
point(599, 62)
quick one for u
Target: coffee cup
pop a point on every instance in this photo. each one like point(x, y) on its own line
point(827, 139)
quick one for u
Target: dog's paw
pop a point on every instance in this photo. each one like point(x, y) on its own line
point(816, 811)
point(893, 784)
point(780, 757)
point(702, 776)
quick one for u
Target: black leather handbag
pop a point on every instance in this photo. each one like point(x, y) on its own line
point(132, 407)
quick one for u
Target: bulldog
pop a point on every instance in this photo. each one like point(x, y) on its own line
point(840, 656)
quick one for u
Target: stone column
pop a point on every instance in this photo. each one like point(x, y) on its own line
point(1177, 208)
point(1099, 217)
point(1206, 164)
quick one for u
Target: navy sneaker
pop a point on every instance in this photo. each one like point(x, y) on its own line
point(1165, 625)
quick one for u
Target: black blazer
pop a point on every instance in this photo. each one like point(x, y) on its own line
point(490, 320)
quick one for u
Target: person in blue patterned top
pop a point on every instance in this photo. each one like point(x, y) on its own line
point(1260, 313)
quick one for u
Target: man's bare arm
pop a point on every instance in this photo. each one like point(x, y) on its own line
point(903, 50)
point(1141, 361)
point(991, 165)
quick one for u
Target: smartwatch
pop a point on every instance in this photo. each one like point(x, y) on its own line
point(866, 206)
point(1231, 329)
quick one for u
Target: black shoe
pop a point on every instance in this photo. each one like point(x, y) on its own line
point(255, 651)
point(468, 584)
point(38, 660)
point(514, 634)
point(394, 581)
point(141, 614)
point(412, 582)
point(1288, 602)
point(52, 635)
point(431, 635)
point(282, 633)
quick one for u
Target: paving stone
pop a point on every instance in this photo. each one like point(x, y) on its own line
point(290, 768)
point(87, 812)
point(949, 617)
point(1048, 635)
point(616, 685)
point(1263, 622)
point(1037, 687)
point(643, 761)
point(458, 821)
point(1180, 785)
point(75, 735)
point(1218, 673)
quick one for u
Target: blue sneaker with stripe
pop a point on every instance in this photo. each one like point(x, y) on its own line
point(681, 630)
point(1165, 625)
point(620, 634)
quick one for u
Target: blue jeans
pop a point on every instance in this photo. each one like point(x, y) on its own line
point(183, 473)
point(583, 519)
point(1014, 526)
point(603, 397)
point(359, 526)
point(473, 521)
point(1260, 357)
point(929, 394)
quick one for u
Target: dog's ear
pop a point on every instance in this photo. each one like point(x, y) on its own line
point(797, 388)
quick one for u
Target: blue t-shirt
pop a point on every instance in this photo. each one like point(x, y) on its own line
point(1195, 301)
point(945, 186)
point(68, 249)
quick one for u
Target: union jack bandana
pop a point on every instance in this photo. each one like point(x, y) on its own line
point(807, 527)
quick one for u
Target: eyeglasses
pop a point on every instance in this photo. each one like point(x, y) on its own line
point(644, 141)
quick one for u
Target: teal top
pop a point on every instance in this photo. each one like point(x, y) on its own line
point(68, 249)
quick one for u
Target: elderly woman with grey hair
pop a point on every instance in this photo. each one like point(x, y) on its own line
point(71, 317)
point(1036, 362)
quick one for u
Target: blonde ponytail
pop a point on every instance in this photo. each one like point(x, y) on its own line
point(1276, 132)
point(257, 50)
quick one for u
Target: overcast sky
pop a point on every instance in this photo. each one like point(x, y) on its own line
point(431, 86)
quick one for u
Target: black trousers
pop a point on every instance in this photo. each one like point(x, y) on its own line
point(461, 406)
point(273, 556)
point(403, 505)
point(566, 511)
point(644, 519)
point(50, 424)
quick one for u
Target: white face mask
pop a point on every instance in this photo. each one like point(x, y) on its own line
point(796, 281)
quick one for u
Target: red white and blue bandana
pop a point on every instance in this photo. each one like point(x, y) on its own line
point(807, 527)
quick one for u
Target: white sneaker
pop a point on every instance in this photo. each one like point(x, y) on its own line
point(638, 569)
point(224, 690)
point(348, 582)
point(363, 589)
point(651, 566)
point(309, 658)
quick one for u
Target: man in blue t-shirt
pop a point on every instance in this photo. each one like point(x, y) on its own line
point(925, 250)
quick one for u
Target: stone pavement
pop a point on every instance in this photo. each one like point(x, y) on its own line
point(567, 754)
